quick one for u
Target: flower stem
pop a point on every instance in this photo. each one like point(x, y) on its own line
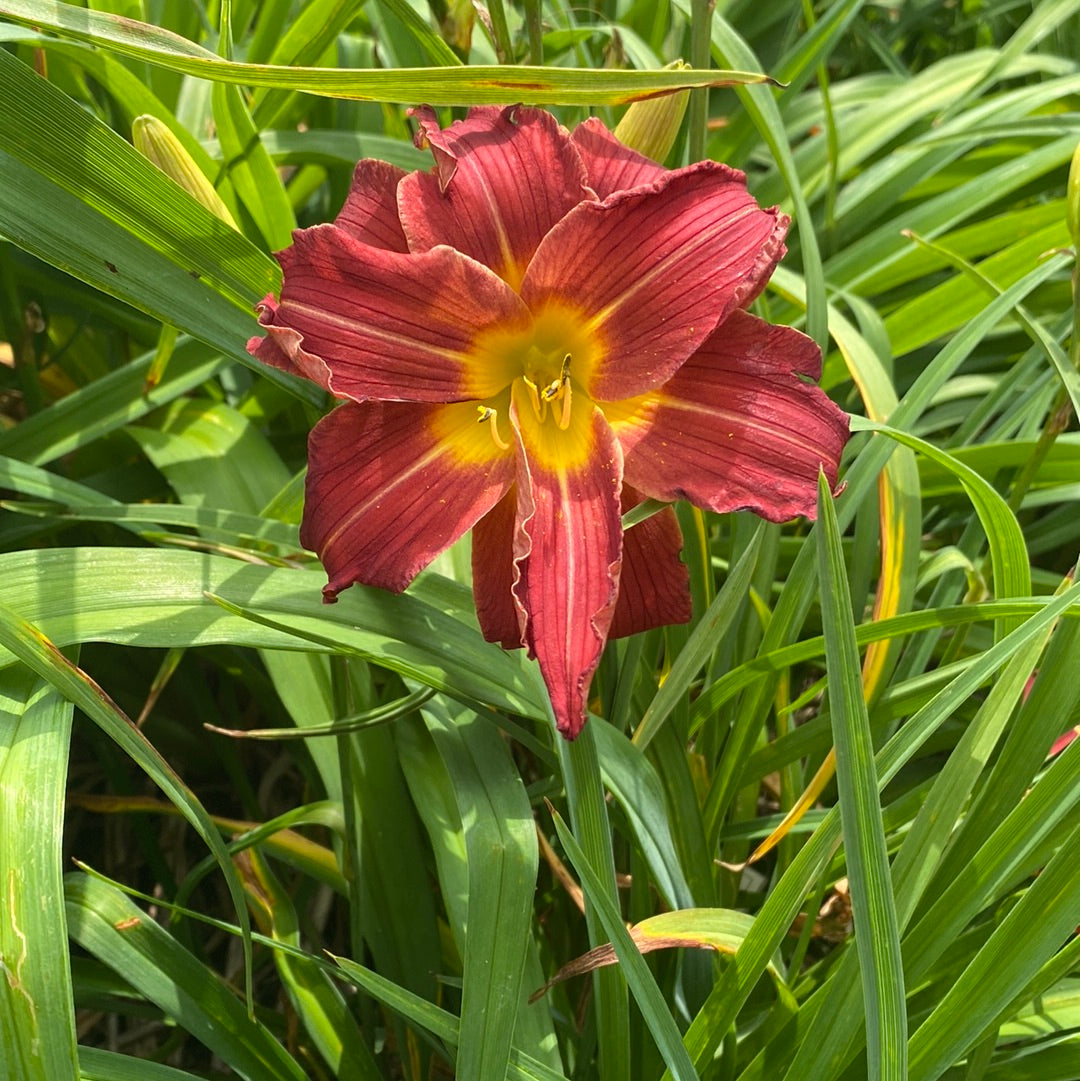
point(700, 57)
point(535, 30)
point(1057, 420)
point(500, 30)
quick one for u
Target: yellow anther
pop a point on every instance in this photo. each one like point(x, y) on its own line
point(556, 385)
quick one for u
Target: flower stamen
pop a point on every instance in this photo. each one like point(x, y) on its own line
point(538, 398)
point(488, 414)
point(560, 389)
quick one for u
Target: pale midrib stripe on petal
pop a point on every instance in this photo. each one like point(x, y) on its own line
point(571, 574)
point(662, 268)
point(418, 466)
point(368, 331)
point(722, 416)
point(496, 219)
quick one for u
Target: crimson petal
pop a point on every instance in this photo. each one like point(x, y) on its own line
point(612, 166)
point(654, 586)
point(493, 573)
point(282, 347)
point(503, 178)
point(567, 550)
point(392, 484)
point(370, 210)
point(653, 270)
point(389, 325)
point(736, 428)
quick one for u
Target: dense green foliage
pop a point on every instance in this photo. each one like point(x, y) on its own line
point(371, 902)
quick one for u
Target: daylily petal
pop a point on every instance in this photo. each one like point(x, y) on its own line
point(282, 348)
point(370, 210)
point(736, 428)
point(493, 573)
point(654, 586)
point(654, 270)
point(502, 179)
point(393, 326)
point(392, 484)
point(609, 164)
point(567, 550)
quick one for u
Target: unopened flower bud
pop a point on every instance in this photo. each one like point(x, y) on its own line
point(651, 127)
point(1072, 199)
point(160, 146)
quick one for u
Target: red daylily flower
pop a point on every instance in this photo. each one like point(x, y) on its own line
point(530, 339)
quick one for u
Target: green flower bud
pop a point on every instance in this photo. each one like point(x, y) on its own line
point(1072, 199)
point(650, 127)
point(160, 146)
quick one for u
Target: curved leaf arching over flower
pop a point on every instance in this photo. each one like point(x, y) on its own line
point(530, 339)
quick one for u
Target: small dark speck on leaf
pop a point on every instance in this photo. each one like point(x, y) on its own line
point(112, 267)
point(195, 274)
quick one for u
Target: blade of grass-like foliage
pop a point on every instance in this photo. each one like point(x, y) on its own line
point(474, 85)
point(110, 927)
point(885, 244)
point(774, 919)
point(648, 996)
point(239, 529)
point(989, 273)
point(309, 34)
point(212, 455)
point(37, 1018)
point(438, 1022)
point(1044, 18)
point(319, 1005)
point(969, 242)
point(835, 1012)
point(129, 92)
point(938, 311)
point(1045, 915)
point(64, 495)
point(26, 643)
point(106, 404)
point(500, 842)
point(796, 596)
point(321, 147)
point(900, 517)
point(1047, 710)
point(248, 166)
point(632, 779)
point(589, 819)
point(701, 644)
point(1031, 830)
point(159, 597)
point(899, 503)
point(96, 1064)
point(729, 47)
point(877, 937)
point(437, 804)
point(86, 201)
point(1008, 552)
point(775, 661)
point(275, 835)
point(1059, 467)
point(720, 929)
point(90, 160)
point(432, 46)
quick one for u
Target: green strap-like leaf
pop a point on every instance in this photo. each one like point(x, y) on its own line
point(475, 85)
